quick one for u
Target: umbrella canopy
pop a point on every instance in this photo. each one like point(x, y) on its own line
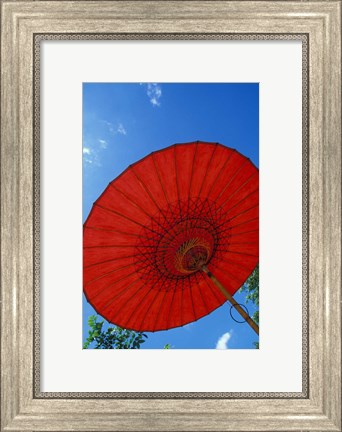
point(154, 228)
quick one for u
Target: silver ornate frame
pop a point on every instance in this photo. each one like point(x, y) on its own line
point(305, 197)
point(25, 24)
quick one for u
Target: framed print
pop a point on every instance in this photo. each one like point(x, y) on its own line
point(155, 157)
point(244, 214)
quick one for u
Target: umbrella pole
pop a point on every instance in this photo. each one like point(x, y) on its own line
point(229, 297)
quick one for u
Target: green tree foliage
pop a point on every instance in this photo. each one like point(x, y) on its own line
point(251, 288)
point(113, 338)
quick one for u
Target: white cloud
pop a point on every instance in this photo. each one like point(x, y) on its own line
point(91, 153)
point(103, 143)
point(121, 130)
point(154, 93)
point(94, 147)
point(110, 126)
point(222, 343)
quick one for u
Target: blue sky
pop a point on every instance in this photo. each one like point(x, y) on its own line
point(124, 122)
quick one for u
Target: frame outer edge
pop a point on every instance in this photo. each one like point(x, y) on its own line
point(26, 219)
point(9, 219)
point(332, 216)
point(11, 230)
point(316, 221)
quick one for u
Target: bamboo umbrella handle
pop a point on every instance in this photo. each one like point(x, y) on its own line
point(229, 297)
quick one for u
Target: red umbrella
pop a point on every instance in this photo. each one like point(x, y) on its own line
point(172, 237)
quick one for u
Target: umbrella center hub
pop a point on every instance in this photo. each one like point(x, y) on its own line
point(192, 255)
point(185, 248)
point(179, 241)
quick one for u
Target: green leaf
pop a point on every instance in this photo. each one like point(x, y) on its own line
point(113, 337)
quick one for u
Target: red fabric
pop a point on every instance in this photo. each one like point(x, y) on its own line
point(158, 222)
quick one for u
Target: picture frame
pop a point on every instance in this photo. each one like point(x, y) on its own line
point(319, 408)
